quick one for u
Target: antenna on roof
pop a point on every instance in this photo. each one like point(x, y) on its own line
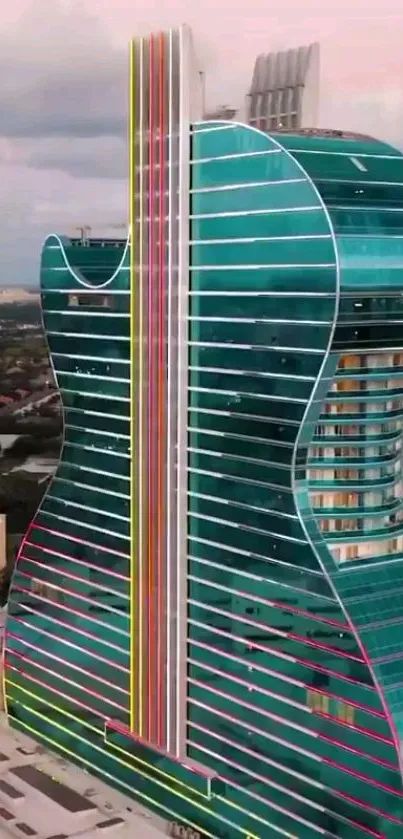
point(85, 233)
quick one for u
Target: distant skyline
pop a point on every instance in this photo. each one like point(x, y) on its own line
point(63, 95)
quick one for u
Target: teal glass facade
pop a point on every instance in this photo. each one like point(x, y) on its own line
point(294, 573)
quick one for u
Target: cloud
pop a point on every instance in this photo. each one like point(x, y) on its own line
point(63, 127)
point(63, 95)
point(61, 76)
point(83, 157)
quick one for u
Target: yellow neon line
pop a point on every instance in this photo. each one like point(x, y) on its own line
point(158, 771)
point(134, 657)
point(54, 707)
point(140, 475)
point(102, 732)
point(117, 781)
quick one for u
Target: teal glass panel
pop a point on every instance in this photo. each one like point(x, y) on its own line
point(294, 674)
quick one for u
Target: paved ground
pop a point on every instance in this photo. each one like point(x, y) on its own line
point(45, 797)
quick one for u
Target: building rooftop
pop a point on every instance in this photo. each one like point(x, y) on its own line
point(43, 796)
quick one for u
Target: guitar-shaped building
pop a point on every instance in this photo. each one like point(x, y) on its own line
point(207, 610)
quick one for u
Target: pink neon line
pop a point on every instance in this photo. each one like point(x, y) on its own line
point(70, 558)
point(369, 808)
point(67, 643)
point(353, 749)
point(288, 744)
point(161, 406)
point(67, 591)
point(64, 661)
point(286, 635)
point(78, 541)
point(190, 765)
point(267, 649)
point(151, 397)
point(244, 770)
point(277, 696)
point(53, 690)
point(276, 604)
point(71, 628)
point(66, 608)
point(364, 778)
point(103, 698)
point(305, 685)
point(366, 708)
point(69, 576)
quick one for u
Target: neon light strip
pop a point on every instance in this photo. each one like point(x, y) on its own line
point(169, 488)
point(151, 396)
point(63, 661)
point(278, 675)
point(355, 751)
point(70, 610)
point(70, 593)
point(311, 665)
point(138, 663)
point(36, 629)
point(366, 780)
point(97, 770)
point(70, 627)
point(182, 233)
point(286, 722)
point(98, 568)
point(81, 720)
point(272, 603)
point(85, 525)
point(94, 545)
point(288, 745)
point(291, 636)
point(160, 686)
point(103, 699)
point(192, 766)
point(100, 731)
point(73, 734)
point(269, 803)
point(61, 572)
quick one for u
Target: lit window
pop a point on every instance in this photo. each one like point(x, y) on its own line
point(345, 712)
point(318, 702)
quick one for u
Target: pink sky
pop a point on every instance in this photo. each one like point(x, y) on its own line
point(361, 56)
point(50, 40)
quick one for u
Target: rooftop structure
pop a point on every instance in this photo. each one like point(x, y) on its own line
point(284, 92)
point(207, 609)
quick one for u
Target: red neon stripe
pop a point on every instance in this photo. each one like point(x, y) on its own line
point(74, 577)
point(298, 683)
point(290, 745)
point(231, 783)
point(369, 808)
point(85, 564)
point(70, 627)
point(355, 751)
point(64, 661)
point(65, 641)
point(65, 591)
point(255, 795)
point(68, 609)
point(288, 636)
point(53, 690)
point(370, 781)
point(78, 541)
point(103, 699)
point(310, 665)
point(151, 399)
point(161, 407)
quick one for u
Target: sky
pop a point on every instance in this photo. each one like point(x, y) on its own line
point(63, 94)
